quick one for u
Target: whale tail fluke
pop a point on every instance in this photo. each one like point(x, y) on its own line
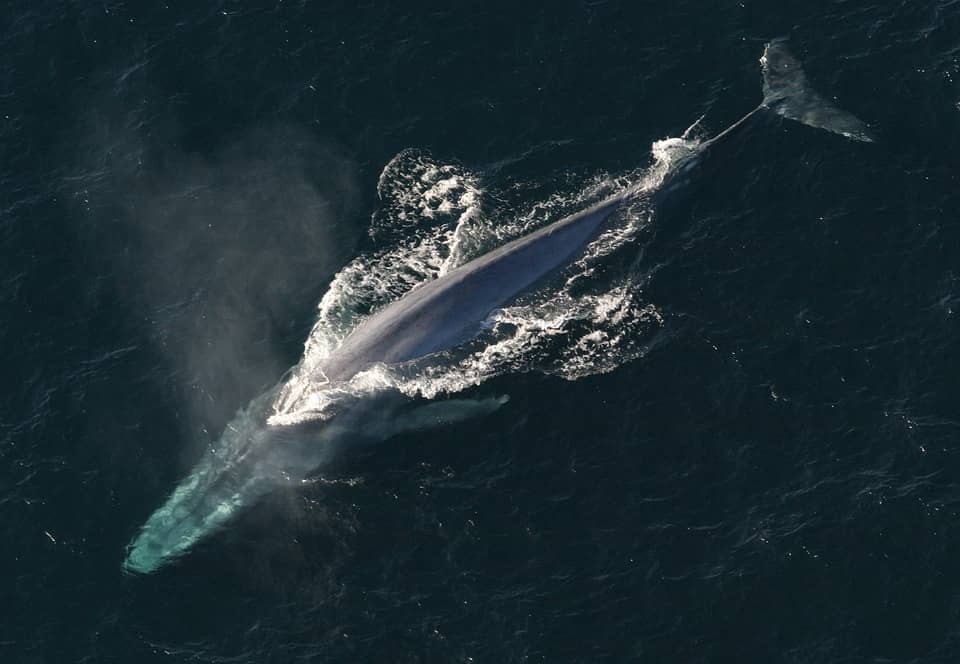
point(787, 93)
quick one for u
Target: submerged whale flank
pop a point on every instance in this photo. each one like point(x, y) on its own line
point(252, 456)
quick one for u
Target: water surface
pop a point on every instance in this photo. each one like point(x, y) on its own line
point(770, 477)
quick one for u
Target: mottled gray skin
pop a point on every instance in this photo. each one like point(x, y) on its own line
point(449, 310)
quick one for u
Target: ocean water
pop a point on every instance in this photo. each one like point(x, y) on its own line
point(732, 435)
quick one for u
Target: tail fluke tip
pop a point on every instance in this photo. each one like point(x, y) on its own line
point(787, 93)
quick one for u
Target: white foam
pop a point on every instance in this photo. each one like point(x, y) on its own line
point(432, 218)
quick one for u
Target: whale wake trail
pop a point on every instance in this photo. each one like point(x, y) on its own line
point(439, 216)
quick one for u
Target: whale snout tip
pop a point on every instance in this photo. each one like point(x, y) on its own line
point(144, 556)
point(134, 564)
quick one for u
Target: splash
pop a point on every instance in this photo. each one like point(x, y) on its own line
point(435, 216)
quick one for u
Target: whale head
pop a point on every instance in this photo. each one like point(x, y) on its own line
point(249, 460)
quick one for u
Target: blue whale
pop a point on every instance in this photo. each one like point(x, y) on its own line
point(252, 457)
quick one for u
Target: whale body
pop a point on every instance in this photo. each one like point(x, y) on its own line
point(252, 456)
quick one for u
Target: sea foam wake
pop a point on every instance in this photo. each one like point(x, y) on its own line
point(434, 217)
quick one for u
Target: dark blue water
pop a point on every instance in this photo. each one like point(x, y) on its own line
point(775, 479)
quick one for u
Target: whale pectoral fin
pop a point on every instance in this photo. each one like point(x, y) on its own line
point(444, 413)
point(786, 92)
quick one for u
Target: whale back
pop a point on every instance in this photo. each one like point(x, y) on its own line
point(451, 309)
